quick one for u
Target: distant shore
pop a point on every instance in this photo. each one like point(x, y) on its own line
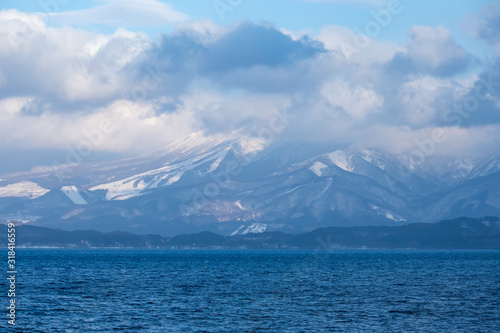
point(460, 233)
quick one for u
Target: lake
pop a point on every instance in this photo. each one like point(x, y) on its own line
point(113, 290)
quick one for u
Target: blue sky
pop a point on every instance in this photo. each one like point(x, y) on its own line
point(161, 70)
point(297, 15)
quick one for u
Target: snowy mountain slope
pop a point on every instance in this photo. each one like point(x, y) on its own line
point(475, 197)
point(25, 189)
point(239, 183)
point(74, 195)
point(165, 176)
point(485, 168)
point(91, 175)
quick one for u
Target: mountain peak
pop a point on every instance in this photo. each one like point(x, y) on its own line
point(229, 182)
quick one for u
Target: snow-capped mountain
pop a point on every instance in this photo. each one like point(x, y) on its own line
point(239, 185)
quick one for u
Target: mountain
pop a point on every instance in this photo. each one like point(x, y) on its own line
point(33, 236)
point(460, 233)
point(240, 185)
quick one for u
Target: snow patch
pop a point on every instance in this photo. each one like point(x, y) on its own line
point(23, 190)
point(215, 164)
point(367, 155)
point(342, 160)
point(137, 185)
point(387, 214)
point(252, 145)
point(175, 178)
point(317, 168)
point(466, 164)
point(73, 213)
point(237, 230)
point(255, 228)
point(493, 164)
point(19, 218)
point(238, 204)
point(372, 157)
point(291, 190)
point(73, 194)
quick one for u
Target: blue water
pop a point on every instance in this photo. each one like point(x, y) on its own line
point(256, 291)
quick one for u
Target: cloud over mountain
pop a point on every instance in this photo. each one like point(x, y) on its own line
point(59, 82)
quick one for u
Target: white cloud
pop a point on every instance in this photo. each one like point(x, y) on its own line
point(205, 31)
point(433, 47)
point(485, 25)
point(59, 83)
point(122, 13)
point(342, 42)
point(357, 102)
point(13, 105)
point(67, 63)
point(432, 50)
point(454, 141)
point(418, 100)
point(134, 127)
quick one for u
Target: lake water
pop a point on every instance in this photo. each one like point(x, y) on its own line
point(255, 291)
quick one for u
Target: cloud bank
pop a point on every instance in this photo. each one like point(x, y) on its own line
point(58, 84)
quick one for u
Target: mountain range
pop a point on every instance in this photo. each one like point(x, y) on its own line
point(241, 185)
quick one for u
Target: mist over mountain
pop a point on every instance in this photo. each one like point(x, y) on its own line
point(240, 185)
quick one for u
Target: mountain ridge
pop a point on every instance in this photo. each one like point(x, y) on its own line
point(225, 184)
